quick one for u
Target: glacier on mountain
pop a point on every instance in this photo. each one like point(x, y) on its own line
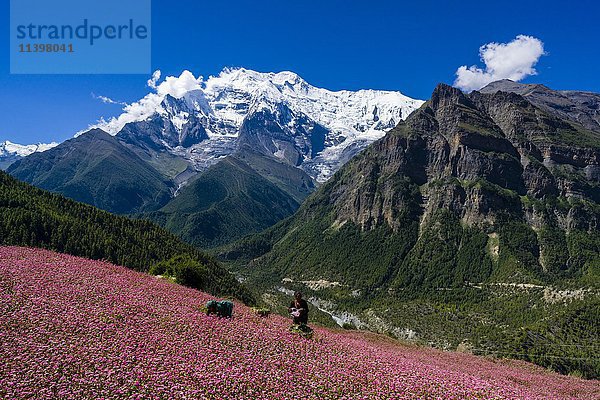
point(350, 120)
point(11, 152)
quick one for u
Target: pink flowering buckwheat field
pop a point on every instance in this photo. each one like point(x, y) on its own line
point(75, 328)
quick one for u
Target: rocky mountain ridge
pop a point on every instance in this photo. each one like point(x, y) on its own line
point(577, 106)
point(500, 138)
point(282, 132)
point(95, 168)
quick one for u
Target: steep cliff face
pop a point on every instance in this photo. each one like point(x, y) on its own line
point(469, 188)
point(184, 128)
point(480, 157)
point(279, 131)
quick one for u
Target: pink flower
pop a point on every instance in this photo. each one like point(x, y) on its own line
point(74, 328)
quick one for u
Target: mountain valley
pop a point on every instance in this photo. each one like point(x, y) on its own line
point(436, 231)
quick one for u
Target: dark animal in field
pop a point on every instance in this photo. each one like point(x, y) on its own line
point(223, 309)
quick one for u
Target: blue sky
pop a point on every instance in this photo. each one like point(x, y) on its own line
point(392, 45)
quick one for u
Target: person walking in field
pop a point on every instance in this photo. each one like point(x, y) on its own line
point(299, 309)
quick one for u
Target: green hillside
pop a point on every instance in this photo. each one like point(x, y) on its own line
point(96, 169)
point(33, 217)
point(223, 204)
point(288, 178)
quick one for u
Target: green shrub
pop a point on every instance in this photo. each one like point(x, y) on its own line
point(184, 269)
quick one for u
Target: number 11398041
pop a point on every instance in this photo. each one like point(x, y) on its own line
point(46, 48)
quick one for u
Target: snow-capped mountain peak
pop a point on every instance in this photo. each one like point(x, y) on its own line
point(9, 148)
point(346, 121)
point(11, 152)
point(330, 108)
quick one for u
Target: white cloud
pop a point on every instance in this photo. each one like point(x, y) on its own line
point(178, 86)
point(155, 78)
point(514, 60)
point(107, 100)
point(149, 104)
